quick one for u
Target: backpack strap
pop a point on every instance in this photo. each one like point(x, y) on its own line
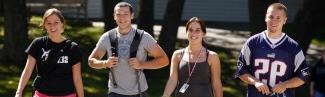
point(114, 42)
point(133, 54)
point(135, 43)
point(114, 47)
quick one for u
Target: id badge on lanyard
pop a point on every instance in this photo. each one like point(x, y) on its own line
point(186, 85)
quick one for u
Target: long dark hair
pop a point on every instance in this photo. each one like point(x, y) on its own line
point(203, 27)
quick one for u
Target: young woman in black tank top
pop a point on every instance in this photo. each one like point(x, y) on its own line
point(57, 61)
point(195, 71)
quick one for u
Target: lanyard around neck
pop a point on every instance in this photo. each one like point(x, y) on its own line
point(190, 72)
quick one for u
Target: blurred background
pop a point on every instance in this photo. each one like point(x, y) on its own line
point(229, 22)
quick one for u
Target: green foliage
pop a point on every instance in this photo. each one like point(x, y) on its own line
point(319, 38)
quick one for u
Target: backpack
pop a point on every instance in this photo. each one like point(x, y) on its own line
point(133, 52)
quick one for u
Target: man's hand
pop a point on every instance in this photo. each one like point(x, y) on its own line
point(279, 88)
point(263, 88)
point(134, 62)
point(111, 62)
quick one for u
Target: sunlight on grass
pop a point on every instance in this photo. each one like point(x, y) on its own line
point(318, 42)
point(35, 20)
point(91, 76)
point(232, 92)
point(92, 90)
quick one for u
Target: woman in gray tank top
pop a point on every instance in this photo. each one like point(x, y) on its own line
point(194, 71)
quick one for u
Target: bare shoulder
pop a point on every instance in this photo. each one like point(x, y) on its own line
point(213, 58)
point(177, 53)
point(213, 55)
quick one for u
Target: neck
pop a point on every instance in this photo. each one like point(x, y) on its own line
point(123, 31)
point(194, 48)
point(274, 35)
point(57, 39)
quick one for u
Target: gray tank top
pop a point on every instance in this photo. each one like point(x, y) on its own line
point(200, 81)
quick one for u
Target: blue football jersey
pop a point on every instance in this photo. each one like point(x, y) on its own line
point(271, 63)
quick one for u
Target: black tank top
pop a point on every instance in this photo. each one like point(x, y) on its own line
point(200, 81)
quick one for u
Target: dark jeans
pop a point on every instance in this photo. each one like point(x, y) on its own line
point(112, 94)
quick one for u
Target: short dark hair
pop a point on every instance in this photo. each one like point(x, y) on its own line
point(279, 6)
point(124, 4)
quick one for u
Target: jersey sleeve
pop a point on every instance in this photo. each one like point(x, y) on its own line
point(301, 68)
point(33, 47)
point(243, 61)
point(76, 55)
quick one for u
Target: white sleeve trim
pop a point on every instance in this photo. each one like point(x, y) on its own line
point(299, 59)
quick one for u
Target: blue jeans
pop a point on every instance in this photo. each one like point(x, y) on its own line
point(112, 94)
point(319, 94)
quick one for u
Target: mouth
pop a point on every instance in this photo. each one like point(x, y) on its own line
point(122, 22)
point(194, 37)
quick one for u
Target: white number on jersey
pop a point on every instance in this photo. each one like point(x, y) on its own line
point(275, 69)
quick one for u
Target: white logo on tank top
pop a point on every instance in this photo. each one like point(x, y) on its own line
point(45, 54)
point(63, 59)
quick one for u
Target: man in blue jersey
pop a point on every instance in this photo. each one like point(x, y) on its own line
point(272, 63)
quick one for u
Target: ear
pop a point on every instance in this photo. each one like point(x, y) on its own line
point(114, 16)
point(132, 15)
point(285, 20)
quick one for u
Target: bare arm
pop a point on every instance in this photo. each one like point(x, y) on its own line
point(215, 75)
point(291, 83)
point(28, 70)
point(173, 76)
point(160, 59)
point(249, 79)
point(77, 79)
point(260, 86)
point(95, 62)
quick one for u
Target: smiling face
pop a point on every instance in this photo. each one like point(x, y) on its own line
point(194, 33)
point(53, 25)
point(123, 17)
point(275, 19)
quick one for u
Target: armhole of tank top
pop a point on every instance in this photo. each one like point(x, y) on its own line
point(207, 56)
point(181, 56)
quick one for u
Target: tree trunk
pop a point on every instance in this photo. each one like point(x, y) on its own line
point(172, 19)
point(1, 7)
point(257, 11)
point(15, 39)
point(145, 15)
point(108, 11)
point(308, 21)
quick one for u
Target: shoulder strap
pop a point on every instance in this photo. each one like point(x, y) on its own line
point(114, 42)
point(181, 57)
point(135, 43)
point(207, 55)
